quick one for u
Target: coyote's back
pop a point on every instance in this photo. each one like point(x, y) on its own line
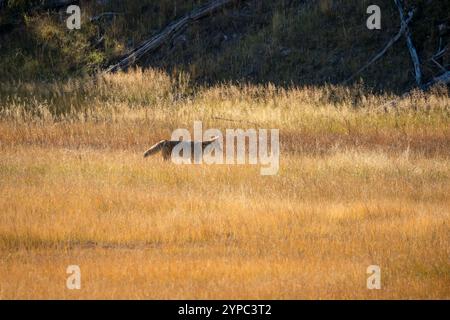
point(166, 147)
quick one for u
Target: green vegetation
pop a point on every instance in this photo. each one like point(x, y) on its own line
point(283, 42)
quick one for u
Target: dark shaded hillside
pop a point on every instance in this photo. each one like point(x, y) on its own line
point(285, 42)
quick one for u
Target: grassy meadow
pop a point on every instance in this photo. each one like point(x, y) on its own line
point(362, 181)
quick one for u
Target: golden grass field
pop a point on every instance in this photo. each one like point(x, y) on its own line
point(359, 184)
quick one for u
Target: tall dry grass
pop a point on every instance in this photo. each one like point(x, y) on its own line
point(359, 184)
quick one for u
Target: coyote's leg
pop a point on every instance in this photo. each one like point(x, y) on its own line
point(166, 153)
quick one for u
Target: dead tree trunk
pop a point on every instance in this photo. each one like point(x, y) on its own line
point(412, 49)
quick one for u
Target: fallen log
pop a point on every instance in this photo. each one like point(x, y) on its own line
point(234, 120)
point(167, 34)
point(403, 28)
point(442, 79)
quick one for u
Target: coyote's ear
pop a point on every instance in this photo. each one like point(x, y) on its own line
point(154, 149)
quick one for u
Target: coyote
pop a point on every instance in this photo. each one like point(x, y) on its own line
point(166, 146)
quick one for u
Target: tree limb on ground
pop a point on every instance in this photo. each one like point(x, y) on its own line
point(443, 79)
point(234, 120)
point(403, 28)
point(167, 34)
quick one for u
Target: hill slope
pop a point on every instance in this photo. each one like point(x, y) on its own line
point(300, 42)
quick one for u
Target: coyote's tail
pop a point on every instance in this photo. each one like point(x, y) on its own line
point(154, 149)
